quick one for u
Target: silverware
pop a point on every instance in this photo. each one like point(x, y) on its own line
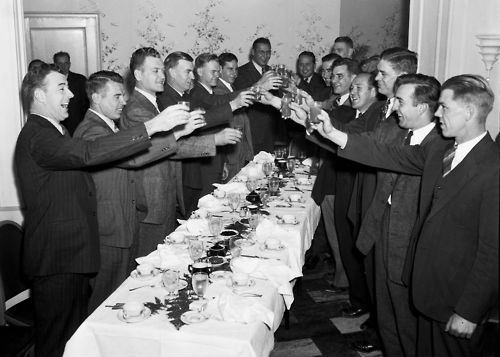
point(298, 189)
point(246, 293)
point(255, 256)
point(144, 286)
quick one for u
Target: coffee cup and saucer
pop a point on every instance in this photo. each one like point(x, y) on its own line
point(200, 267)
point(133, 311)
point(144, 271)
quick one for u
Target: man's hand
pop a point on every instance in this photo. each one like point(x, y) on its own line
point(243, 99)
point(268, 98)
point(326, 130)
point(460, 327)
point(196, 121)
point(227, 136)
point(299, 114)
point(269, 81)
point(168, 119)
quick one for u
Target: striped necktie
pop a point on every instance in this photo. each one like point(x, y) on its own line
point(448, 159)
point(408, 138)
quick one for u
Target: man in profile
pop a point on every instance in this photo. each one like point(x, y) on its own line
point(61, 241)
point(79, 104)
point(343, 46)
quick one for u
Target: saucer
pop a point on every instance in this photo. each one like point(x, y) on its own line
point(134, 274)
point(280, 247)
point(249, 284)
point(242, 243)
point(217, 261)
point(220, 275)
point(143, 316)
point(182, 284)
point(193, 317)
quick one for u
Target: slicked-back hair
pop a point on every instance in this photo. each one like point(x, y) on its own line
point(352, 65)
point(203, 59)
point(401, 59)
point(261, 40)
point(330, 57)
point(136, 62)
point(173, 59)
point(426, 89)
point(35, 64)
point(98, 80)
point(472, 89)
point(33, 80)
point(309, 54)
point(345, 39)
point(370, 64)
point(226, 57)
point(60, 54)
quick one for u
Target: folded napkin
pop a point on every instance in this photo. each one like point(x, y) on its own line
point(232, 187)
point(268, 229)
point(280, 275)
point(163, 257)
point(307, 162)
point(211, 204)
point(262, 157)
point(194, 226)
point(234, 308)
point(253, 171)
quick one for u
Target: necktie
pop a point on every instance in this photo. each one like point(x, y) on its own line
point(448, 159)
point(386, 109)
point(408, 137)
point(337, 102)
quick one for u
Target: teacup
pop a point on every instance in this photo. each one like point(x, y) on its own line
point(200, 267)
point(217, 250)
point(145, 269)
point(289, 218)
point(253, 208)
point(240, 279)
point(228, 233)
point(132, 309)
point(177, 237)
point(219, 193)
point(272, 243)
point(295, 197)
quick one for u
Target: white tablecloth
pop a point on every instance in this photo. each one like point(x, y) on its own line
point(103, 335)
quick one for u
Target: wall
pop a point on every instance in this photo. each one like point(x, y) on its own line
point(197, 26)
point(443, 33)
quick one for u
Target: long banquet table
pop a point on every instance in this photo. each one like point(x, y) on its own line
point(102, 334)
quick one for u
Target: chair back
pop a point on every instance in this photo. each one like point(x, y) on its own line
point(13, 279)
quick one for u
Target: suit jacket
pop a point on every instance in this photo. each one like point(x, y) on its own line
point(404, 192)
point(60, 226)
point(239, 154)
point(316, 87)
point(118, 195)
point(454, 244)
point(79, 104)
point(264, 119)
point(162, 180)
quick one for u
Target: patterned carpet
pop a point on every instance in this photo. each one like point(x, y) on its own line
point(317, 328)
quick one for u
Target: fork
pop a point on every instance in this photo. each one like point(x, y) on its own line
point(143, 286)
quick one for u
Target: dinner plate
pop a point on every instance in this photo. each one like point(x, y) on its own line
point(217, 261)
point(193, 317)
point(220, 275)
point(249, 284)
point(242, 243)
point(143, 316)
point(182, 284)
point(134, 274)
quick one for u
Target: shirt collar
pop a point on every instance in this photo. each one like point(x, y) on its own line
point(342, 99)
point(150, 97)
point(181, 94)
point(228, 85)
point(209, 89)
point(258, 67)
point(390, 107)
point(53, 122)
point(108, 121)
point(467, 146)
point(420, 133)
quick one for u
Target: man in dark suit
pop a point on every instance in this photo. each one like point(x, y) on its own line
point(263, 118)
point(79, 104)
point(343, 46)
point(61, 246)
point(120, 199)
point(388, 222)
point(238, 155)
point(162, 181)
point(453, 253)
point(179, 80)
point(310, 81)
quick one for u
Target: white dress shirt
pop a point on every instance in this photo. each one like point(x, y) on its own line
point(259, 68)
point(228, 85)
point(342, 99)
point(53, 122)
point(209, 89)
point(108, 121)
point(464, 148)
point(151, 98)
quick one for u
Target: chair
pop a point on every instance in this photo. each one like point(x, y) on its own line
point(18, 305)
point(15, 341)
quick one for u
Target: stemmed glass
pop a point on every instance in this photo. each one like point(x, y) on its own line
point(195, 248)
point(290, 164)
point(200, 283)
point(234, 201)
point(234, 248)
point(267, 167)
point(253, 221)
point(170, 281)
point(274, 185)
point(215, 225)
point(251, 184)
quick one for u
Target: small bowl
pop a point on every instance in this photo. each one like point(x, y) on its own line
point(228, 233)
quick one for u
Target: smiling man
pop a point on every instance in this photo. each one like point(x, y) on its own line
point(310, 81)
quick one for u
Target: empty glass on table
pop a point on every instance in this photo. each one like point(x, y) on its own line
point(200, 284)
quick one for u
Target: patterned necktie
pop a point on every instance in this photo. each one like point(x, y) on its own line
point(386, 109)
point(408, 137)
point(448, 159)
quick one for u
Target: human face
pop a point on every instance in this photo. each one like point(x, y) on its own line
point(409, 114)
point(362, 96)
point(209, 73)
point(63, 63)
point(386, 77)
point(342, 49)
point(151, 76)
point(341, 80)
point(326, 72)
point(52, 100)
point(306, 66)
point(229, 72)
point(110, 100)
point(453, 116)
point(181, 76)
point(261, 54)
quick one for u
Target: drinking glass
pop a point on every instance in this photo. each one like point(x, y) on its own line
point(264, 197)
point(200, 283)
point(170, 281)
point(234, 201)
point(251, 184)
point(267, 167)
point(290, 164)
point(314, 111)
point(253, 221)
point(215, 225)
point(187, 104)
point(274, 185)
point(286, 112)
point(234, 248)
point(256, 92)
point(195, 248)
